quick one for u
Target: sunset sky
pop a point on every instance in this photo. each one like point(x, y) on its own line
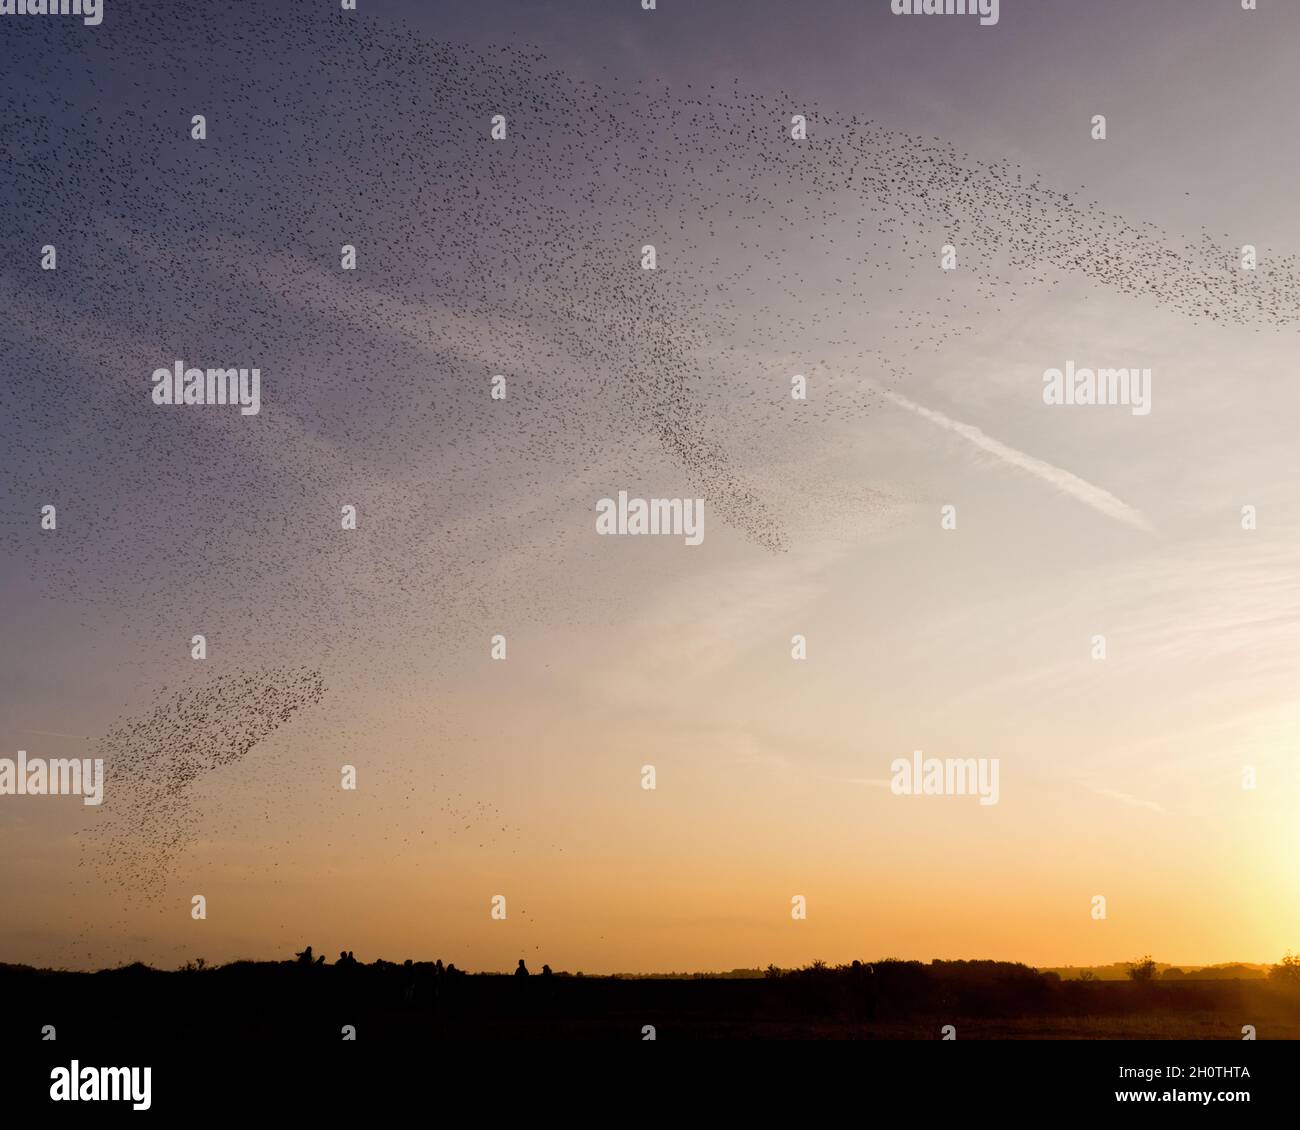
point(1120, 777)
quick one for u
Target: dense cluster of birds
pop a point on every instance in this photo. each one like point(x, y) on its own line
point(152, 763)
point(475, 257)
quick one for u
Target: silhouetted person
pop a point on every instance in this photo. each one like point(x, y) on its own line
point(522, 971)
point(546, 970)
point(305, 957)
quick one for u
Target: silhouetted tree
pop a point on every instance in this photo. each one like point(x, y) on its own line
point(1142, 970)
point(1286, 972)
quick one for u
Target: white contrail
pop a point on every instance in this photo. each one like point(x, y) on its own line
point(1100, 500)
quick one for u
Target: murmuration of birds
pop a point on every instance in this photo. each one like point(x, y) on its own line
point(154, 761)
point(474, 257)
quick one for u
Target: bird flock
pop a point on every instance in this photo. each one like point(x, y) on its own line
point(475, 257)
point(151, 763)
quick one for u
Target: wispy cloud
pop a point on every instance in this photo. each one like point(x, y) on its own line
point(1129, 799)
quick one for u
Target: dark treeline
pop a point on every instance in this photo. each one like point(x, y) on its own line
point(310, 1000)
